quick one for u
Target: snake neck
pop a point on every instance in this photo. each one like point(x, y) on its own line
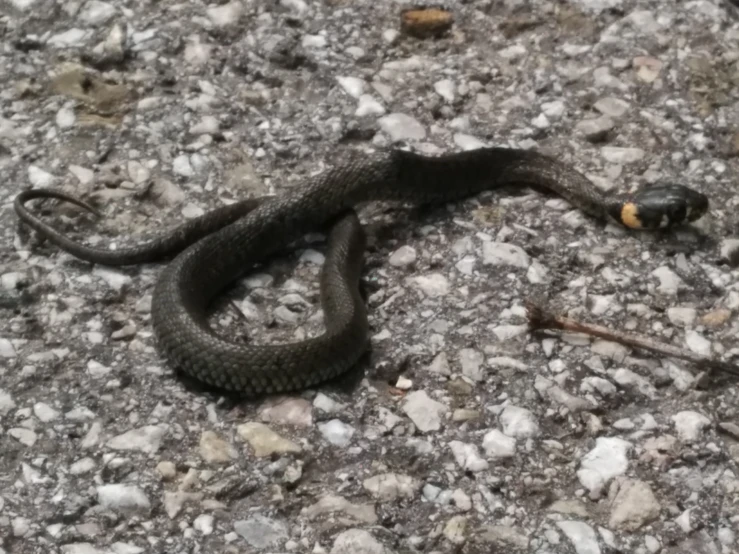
point(456, 175)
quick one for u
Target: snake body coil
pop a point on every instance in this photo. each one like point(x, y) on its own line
point(222, 245)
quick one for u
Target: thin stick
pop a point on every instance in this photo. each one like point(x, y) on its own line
point(541, 319)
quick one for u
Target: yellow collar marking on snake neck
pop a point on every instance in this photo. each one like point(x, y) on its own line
point(630, 215)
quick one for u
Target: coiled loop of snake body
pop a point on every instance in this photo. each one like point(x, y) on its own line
point(220, 246)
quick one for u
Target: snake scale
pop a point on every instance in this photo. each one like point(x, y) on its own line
point(217, 248)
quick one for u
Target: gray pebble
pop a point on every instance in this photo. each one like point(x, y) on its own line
point(402, 127)
point(403, 256)
point(336, 432)
point(595, 130)
point(225, 15)
point(612, 107)
point(607, 460)
point(144, 439)
point(123, 498)
point(518, 422)
point(622, 155)
point(634, 506)
point(690, 425)
point(498, 445)
point(581, 535)
point(425, 412)
point(97, 13)
point(432, 285)
point(468, 456)
point(261, 532)
point(388, 487)
point(504, 254)
point(358, 541)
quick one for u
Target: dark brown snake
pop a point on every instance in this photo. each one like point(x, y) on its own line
point(220, 246)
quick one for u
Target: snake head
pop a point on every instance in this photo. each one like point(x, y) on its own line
point(659, 207)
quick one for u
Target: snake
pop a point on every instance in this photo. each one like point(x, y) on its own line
point(209, 252)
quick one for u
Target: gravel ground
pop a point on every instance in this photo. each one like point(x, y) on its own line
point(463, 431)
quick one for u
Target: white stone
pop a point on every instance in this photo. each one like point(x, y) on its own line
point(425, 412)
point(84, 176)
point(729, 249)
point(298, 7)
point(445, 89)
point(541, 121)
point(357, 541)
point(468, 456)
point(683, 521)
point(204, 524)
point(388, 487)
point(519, 422)
point(225, 15)
point(689, 425)
point(314, 41)
point(181, 166)
point(471, 361)
point(82, 466)
point(65, 118)
point(622, 155)
point(613, 107)
point(498, 445)
point(23, 5)
point(403, 256)
point(468, 142)
point(353, 86)
point(40, 178)
point(336, 432)
point(402, 127)
point(327, 404)
point(681, 316)
point(440, 365)
point(537, 273)
point(595, 129)
point(634, 506)
point(553, 110)
point(669, 282)
point(138, 172)
point(603, 78)
point(628, 379)
point(79, 548)
point(603, 386)
point(144, 439)
point(581, 535)
point(504, 254)
point(71, 37)
point(7, 350)
point(433, 285)
point(604, 462)
point(368, 106)
point(466, 265)
point(6, 402)
point(123, 498)
point(261, 532)
point(513, 53)
point(97, 13)
point(697, 343)
point(114, 278)
point(44, 412)
point(23, 435)
point(207, 125)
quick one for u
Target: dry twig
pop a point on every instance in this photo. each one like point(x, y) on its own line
point(541, 319)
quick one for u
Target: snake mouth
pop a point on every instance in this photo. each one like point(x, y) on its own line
point(697, 205)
